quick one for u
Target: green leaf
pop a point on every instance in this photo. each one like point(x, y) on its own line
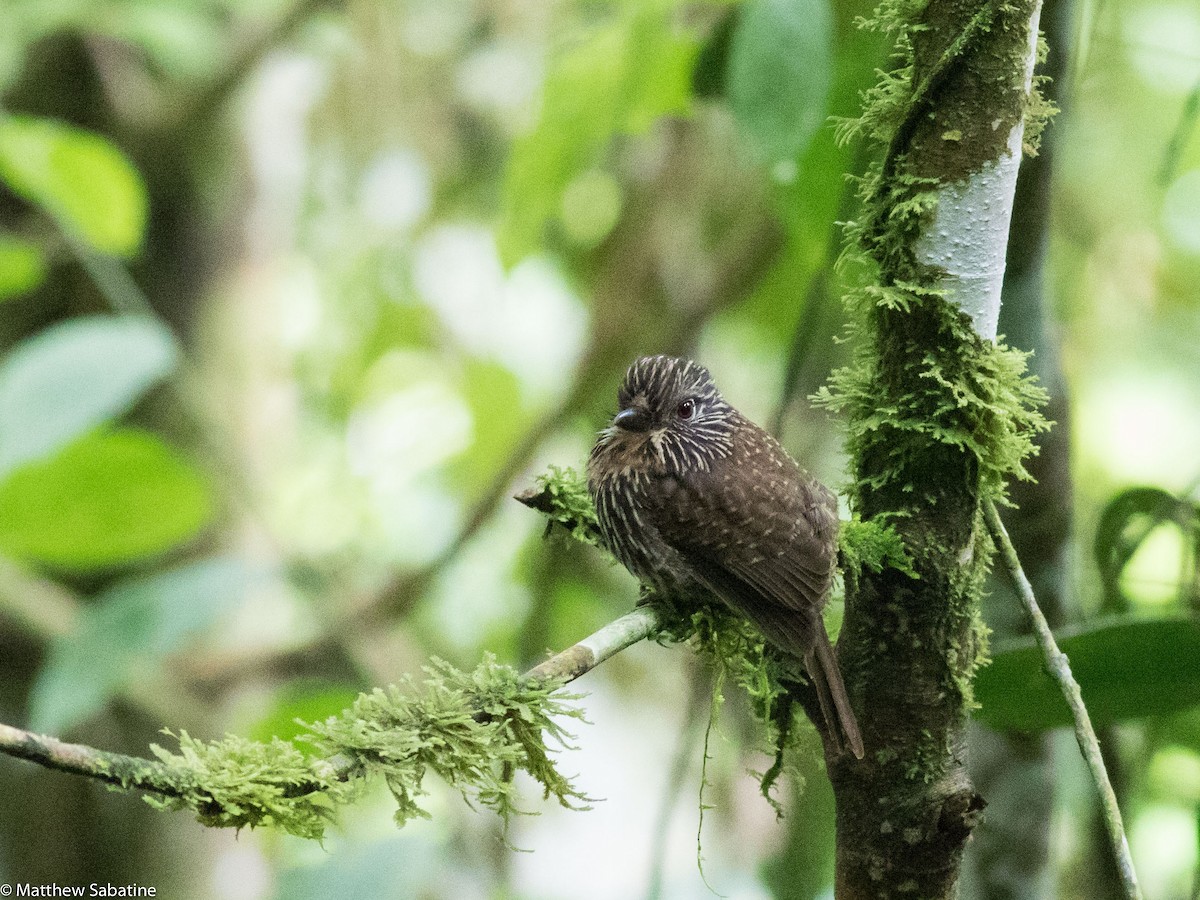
point(127, 630)
point(779, 70)
point(22, 266)
point(1127, 669)
point(1127, 520)
point(620, 80)
point(66, 380)
point(80, 178)
point(108, 498)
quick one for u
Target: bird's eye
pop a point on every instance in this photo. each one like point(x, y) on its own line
point(686, 409)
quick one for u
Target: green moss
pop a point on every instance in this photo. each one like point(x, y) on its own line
point(238, 783)
point(473, 729)
point(937, 383)
point(921, 375)
point(873, 545)
point(1039, 110)
point(562, 494)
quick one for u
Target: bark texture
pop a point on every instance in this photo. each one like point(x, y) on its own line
point(909, 647)
point(1009, 857)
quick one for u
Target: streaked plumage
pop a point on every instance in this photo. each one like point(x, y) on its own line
point(690, 492)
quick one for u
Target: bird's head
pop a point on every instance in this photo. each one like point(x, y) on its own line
point(671, 407)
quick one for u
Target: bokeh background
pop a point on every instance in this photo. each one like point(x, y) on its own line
point(294, 296)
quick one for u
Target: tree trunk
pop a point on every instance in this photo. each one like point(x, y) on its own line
point(1009, 857)
point(938, 418)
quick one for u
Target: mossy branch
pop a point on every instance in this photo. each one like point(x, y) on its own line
point(472, 729)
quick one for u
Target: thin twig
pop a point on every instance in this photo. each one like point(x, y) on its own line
point(634, 626)
point(127, 772)
point(133, 772)
point(1059, 668)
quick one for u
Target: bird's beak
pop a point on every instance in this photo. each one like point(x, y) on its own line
point(632, 419)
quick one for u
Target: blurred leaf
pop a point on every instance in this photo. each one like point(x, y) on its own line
point(128, 629)
point(108, 498)
point(1127, 668)
point(22, 266)
point(780, 62)
point(1127, 520)
point(818, 196)
point(493, 395)
point(619, 81)
point(712, 63)
point(310, 701)
point(68, 379)
point(80, 178)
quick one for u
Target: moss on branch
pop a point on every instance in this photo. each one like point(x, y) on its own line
point(473, 729)
point(239, 783)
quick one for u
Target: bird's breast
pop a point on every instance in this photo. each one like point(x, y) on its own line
point(628, 502)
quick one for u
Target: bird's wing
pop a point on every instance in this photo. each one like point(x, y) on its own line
point(762, 534)
point(756, 527)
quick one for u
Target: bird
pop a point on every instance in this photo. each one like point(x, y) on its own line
point(690, 493)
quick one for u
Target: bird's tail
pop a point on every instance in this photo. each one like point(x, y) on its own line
point(822, 666)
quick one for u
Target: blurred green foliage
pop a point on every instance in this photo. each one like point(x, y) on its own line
point(71, 378)
point(779, 68)
point(132, 628)
point(22, 266)
point(82, 180)
point(619, 78)
point(109, 497)
point(1128, 668)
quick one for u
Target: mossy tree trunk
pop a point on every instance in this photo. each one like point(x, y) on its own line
point(1009, 857)
point(939, 417)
